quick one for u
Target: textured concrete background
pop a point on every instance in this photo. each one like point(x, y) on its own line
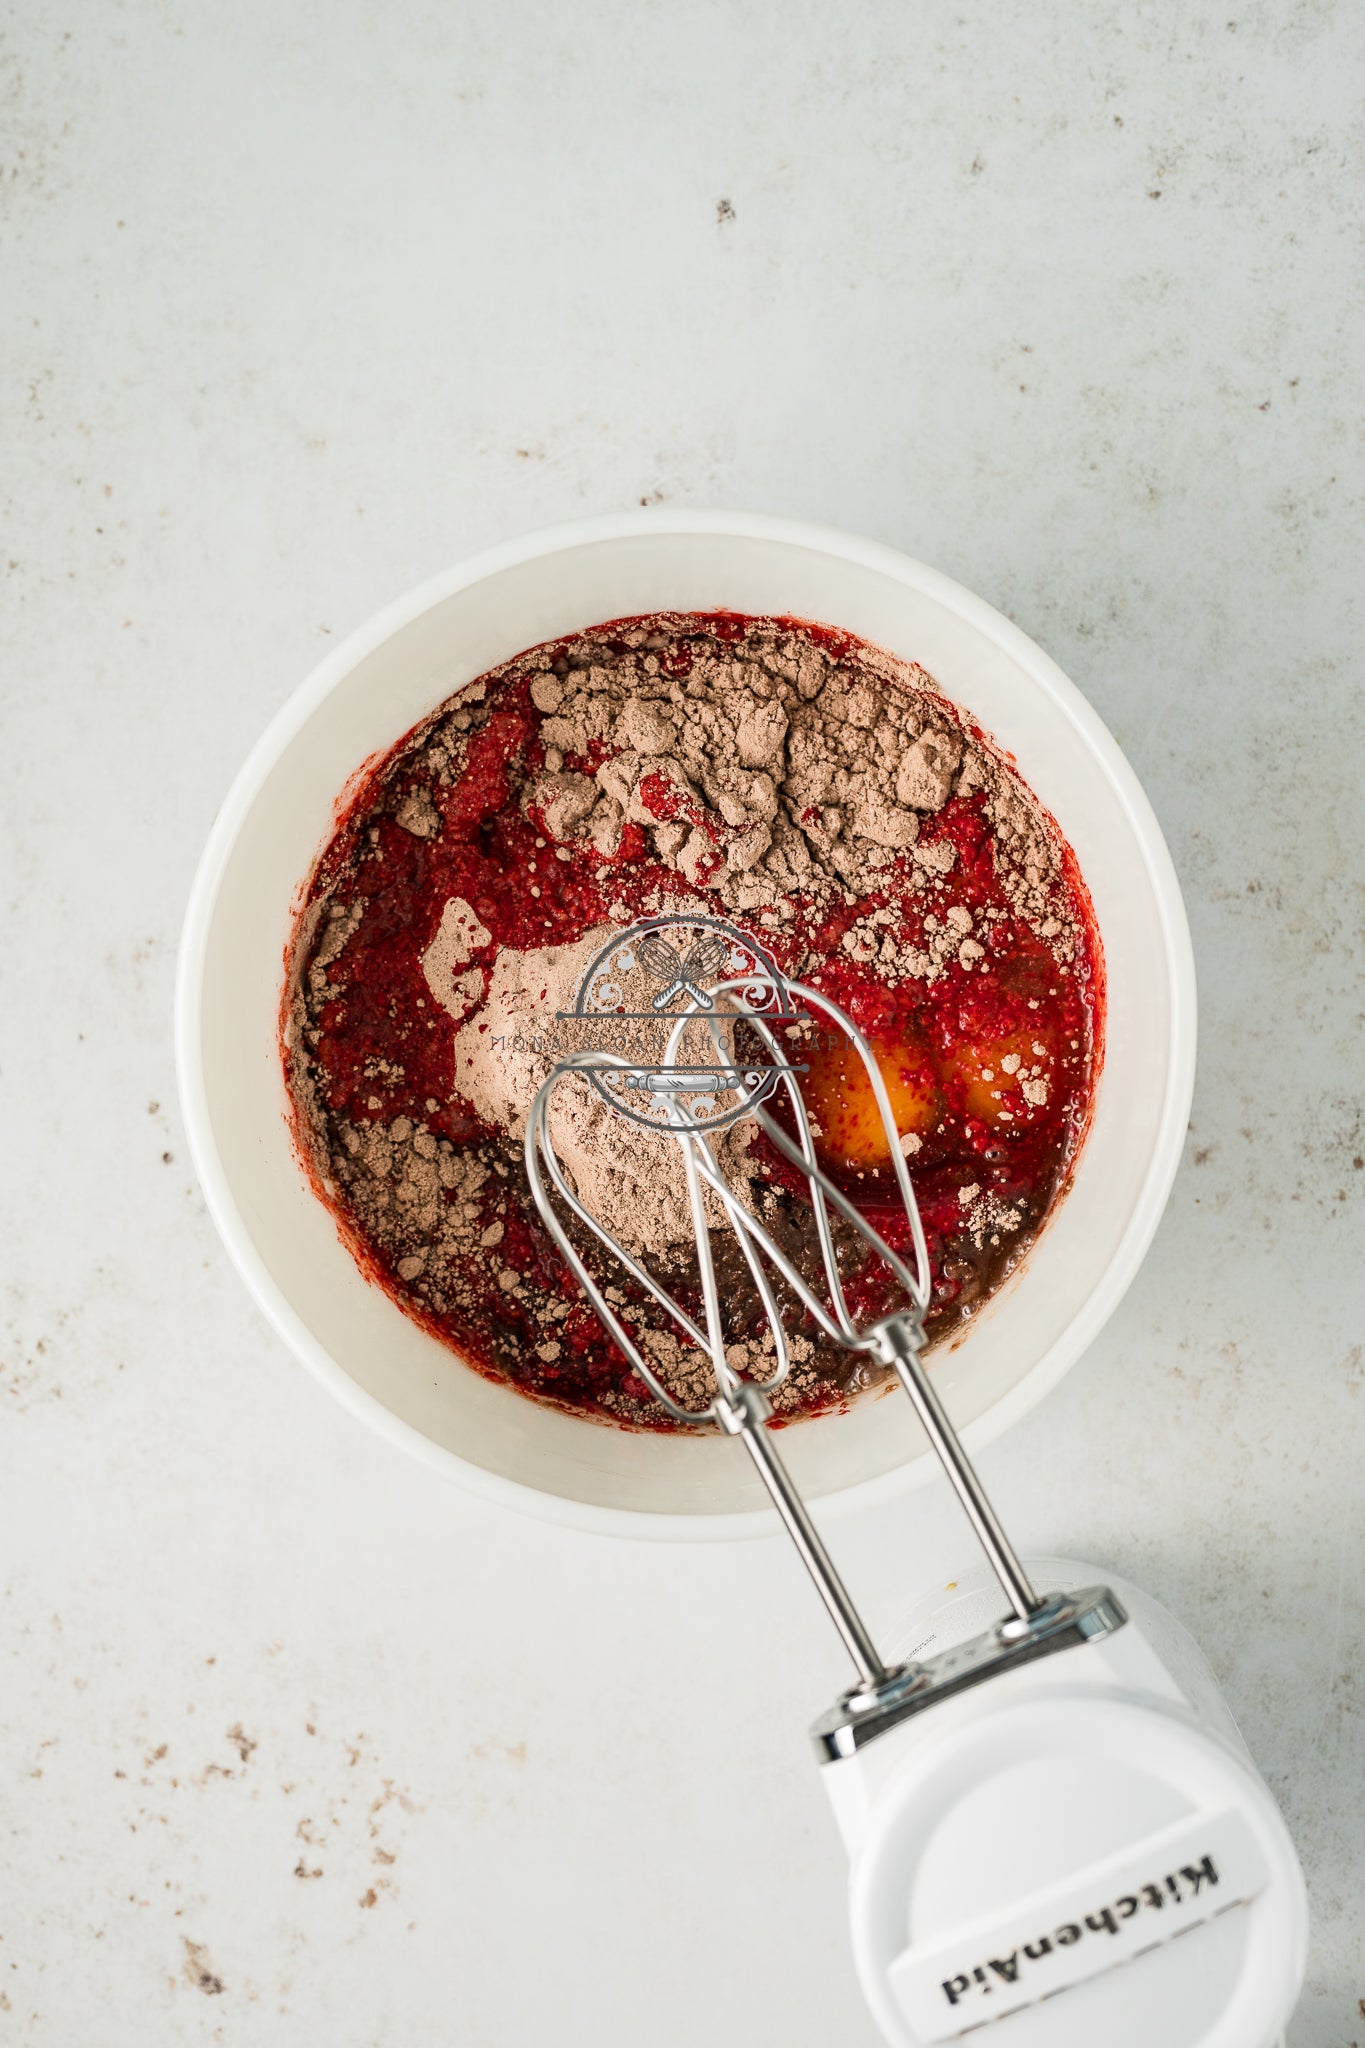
point(301, 304)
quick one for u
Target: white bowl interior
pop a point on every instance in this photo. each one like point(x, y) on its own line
point(283, 809)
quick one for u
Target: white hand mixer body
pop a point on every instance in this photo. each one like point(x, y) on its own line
point(1087, 1824)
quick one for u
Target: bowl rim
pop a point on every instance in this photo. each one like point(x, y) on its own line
point(294, 713)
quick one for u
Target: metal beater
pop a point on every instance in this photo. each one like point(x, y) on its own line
point(742, 1405)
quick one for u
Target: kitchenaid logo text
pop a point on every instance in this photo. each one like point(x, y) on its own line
point(1180, 1888)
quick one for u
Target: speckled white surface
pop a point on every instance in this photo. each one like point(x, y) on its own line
point(298, 1743)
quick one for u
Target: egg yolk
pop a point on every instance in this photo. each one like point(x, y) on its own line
point(1001, 1077)
point(840, 1101)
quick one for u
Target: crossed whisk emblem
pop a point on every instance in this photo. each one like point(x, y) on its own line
point(683, 972)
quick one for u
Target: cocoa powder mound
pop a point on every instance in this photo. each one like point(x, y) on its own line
point(410, 1191)
point(619, 1169)
point(773, 774)
point(632, 1177)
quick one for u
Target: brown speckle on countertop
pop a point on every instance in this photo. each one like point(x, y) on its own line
point(197, 1971)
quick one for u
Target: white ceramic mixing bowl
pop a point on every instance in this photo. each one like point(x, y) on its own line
point(280, 811)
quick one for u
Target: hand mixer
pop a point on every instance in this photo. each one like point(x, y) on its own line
point(1054, 1829)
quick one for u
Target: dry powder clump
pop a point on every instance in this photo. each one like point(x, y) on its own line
point(407, 1187)
point(619, 1169)
point(770, 773)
